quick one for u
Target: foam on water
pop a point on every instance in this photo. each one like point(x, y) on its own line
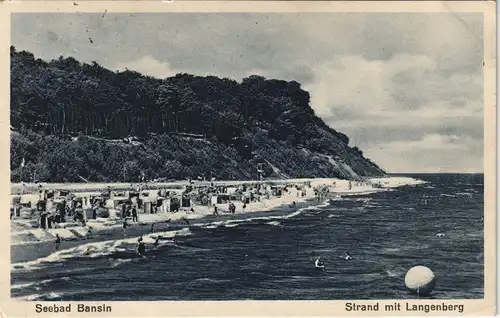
point(276, 261)
point(119, 262)
point(37, 283)
point(395, 273)
point(210, 227)
point(39, 296)
point(97, 249)
point(274, 223)
point(465, 194)
point(470, 190)
point(237, 222)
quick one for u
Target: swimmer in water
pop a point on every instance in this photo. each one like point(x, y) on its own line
point(58, 241)
point(125, 225)
point(157, 242)
point(89, 249)
point(89, 232)
point(319, 264)
point(141, 247)
point(185, 220)
point(347, 256)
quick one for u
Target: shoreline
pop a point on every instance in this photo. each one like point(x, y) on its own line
point(73, 237)
point(30, 252)
point(122, 186)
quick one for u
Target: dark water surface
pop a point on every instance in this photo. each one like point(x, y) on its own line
point(386, 233)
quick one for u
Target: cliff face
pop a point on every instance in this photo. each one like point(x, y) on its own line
point(70, 122)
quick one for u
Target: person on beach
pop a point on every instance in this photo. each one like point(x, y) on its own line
point(125, 225)
point(152, 227)
point(215, 211)
point(124, 211)
point(134, 215)
point(185, 220)
point(244, 207)
point(58, 241)
point(141, 247)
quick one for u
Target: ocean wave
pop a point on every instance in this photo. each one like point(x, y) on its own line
point(210, 227)
point(32, 297)
point(118, 262)
point(99, 249)
point(208, 280)
point(347, 194)
point(274, 223)
point(395, 273)
point(391, 249)
point(237, 222)
point(217, 224)
point(37, 284)
point(471, 190)
point(457, 194)
point(408, 248)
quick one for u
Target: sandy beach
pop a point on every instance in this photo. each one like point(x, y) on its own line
point(28, 244)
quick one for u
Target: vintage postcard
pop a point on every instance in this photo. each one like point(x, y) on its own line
point(248, 158)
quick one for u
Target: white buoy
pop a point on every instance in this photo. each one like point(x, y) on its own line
point(420, 280)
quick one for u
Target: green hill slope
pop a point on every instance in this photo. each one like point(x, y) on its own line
point(71, 120)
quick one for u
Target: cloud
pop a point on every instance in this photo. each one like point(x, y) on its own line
point(404, 103)
point(432, 153)
point(148, 65)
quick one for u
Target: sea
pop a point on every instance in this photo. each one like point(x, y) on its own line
point(386, 234)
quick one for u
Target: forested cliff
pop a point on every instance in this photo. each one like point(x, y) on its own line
point(72, 122)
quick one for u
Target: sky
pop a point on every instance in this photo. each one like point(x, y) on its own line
point(406, 88)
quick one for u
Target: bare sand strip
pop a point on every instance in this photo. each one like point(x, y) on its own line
point(77, 187)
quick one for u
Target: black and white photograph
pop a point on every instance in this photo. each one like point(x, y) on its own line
point(224, 156)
